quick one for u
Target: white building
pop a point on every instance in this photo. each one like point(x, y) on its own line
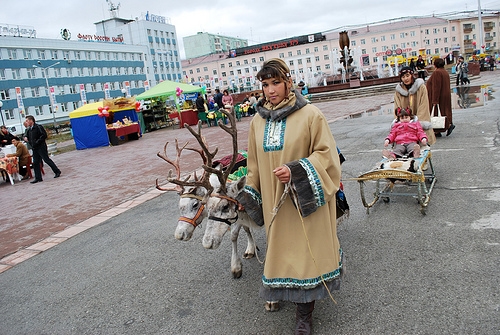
point(122, 53)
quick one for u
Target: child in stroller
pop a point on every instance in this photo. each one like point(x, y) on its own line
point(406, 134)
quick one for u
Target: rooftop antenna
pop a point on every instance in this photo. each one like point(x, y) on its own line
point(113, 10)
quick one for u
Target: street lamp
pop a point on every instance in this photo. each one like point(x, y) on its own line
point(46, 72)
point(1, 105)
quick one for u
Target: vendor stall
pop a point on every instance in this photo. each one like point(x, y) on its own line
point(180, 92)
point(99, 124)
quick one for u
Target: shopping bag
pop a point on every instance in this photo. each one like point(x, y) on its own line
point(438, 121)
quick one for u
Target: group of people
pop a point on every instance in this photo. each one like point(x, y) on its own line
point(35, 135)
point(226, 101)
point(415, 103)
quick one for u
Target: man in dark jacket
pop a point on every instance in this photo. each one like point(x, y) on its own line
point(200, 103)
point(36, 137)
point(218, 98)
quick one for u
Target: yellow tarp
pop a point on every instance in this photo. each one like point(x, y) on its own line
point(92, 108)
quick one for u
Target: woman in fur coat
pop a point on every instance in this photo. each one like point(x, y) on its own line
point(412, 93)
point(438, 87)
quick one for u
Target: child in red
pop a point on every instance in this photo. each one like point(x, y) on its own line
point(406, 133)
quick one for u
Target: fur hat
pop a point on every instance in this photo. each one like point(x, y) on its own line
point(405, 70)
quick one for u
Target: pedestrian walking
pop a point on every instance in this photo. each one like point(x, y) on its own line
point(36, 136)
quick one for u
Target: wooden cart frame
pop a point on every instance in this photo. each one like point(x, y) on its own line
point(388, 181)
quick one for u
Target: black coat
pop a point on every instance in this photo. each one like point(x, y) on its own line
point(200, 103)
point(37, 136)
point(218, 99)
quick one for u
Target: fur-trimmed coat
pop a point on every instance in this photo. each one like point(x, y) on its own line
point(418, 100)
point(295, 134)
point(438, 88)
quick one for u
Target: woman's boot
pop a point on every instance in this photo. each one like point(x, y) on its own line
point(303, 317)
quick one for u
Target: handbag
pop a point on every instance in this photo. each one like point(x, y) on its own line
point(438, 121)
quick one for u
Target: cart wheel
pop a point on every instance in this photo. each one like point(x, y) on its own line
point(386, 199)
point(423, 210)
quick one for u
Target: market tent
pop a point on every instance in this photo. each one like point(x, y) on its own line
point(167, 88)
point(89, 129)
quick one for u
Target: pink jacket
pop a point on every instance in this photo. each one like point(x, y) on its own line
point(227, 100)
point(406, 132)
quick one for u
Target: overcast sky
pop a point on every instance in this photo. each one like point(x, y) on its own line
point(256, 20)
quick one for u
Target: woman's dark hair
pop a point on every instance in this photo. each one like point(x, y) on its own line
point(225, 92)
point(439, 62)
point(16, 138)
point(274, 68)
point(403, 112)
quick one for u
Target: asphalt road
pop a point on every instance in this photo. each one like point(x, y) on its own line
point(407, 273)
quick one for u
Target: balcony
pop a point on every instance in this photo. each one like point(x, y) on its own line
point(488, 38)
point(468, 28)
point(489, 26)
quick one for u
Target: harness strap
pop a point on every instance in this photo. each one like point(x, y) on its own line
point(195, 218)
point(229, 221)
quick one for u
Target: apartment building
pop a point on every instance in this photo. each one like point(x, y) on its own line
point(311, 57)
point(203, 44)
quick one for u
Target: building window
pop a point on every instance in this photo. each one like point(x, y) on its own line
point(41, 54)
point(214, 72)
point(318, 68)
point(308, 51)
point(53, 54)
point(261, 58)
point(237, 63)
point(224, 74)
point(374, 49)
point(27, 54)
point(290, 54)
point(4, 95)
point(392, 36)
point(16, 74)
point(2, 74)
point(290, 62)
point(31, 73)
point(382, 38)
point(316, 49)
point(12, 53)
point(299, 52)
point(230, 64)
point(308, 60)
point(326, 57)
point(412, 33)
point(363, 41)
point(38, 110)
point(245, 61)
point(353, 43)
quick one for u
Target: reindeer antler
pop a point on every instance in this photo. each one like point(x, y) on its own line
point(175, 163)
point(209, 169)
point(234, 134)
